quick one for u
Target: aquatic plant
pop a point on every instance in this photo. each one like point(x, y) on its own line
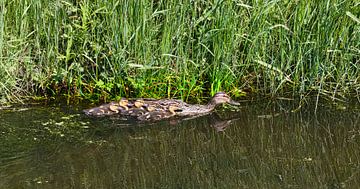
point(106, 49)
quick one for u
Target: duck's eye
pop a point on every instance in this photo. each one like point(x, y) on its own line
point(178, 110)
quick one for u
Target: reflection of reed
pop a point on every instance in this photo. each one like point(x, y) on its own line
point(14, 169)
point(286, 150)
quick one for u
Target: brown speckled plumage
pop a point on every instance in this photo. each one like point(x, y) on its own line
point(152, 109)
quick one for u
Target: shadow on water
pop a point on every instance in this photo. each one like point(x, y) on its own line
point(262, 145)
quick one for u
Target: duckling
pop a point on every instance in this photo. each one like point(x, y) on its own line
point(114, 107)
point(150, 108)
point(158, 115)
point(124, 103)
point(101, 110)
point(139, 103)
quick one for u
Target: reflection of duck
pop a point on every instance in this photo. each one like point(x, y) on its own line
point(151, 109)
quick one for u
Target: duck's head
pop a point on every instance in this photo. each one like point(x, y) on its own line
point(221, 98)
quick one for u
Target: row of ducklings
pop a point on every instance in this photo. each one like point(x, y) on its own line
point(136, 108)
point(151, 109)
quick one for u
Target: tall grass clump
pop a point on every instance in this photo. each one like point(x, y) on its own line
point(188, 49)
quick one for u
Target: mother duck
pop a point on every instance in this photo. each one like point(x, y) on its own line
point(145, 109)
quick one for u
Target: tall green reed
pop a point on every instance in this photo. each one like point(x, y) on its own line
point(186, 49)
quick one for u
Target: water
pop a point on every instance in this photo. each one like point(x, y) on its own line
point(261, 145)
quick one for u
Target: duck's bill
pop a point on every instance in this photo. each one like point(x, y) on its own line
point(232, 102)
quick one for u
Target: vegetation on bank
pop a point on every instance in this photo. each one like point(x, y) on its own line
point(106, 49)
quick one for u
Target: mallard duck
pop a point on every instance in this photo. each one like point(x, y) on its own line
point(153, 109)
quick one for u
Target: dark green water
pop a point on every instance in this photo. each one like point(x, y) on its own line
point(262, 145)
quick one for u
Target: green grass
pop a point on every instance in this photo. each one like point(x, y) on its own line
point(185, 49)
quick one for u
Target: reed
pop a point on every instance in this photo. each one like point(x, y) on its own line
point(186, 49)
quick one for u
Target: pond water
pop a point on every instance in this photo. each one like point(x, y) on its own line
point(260, 145)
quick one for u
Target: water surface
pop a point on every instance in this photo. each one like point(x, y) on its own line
point(260, 145)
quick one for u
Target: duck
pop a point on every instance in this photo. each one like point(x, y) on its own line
point(145, 109)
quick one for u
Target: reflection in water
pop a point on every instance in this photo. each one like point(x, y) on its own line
point(260, 146)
